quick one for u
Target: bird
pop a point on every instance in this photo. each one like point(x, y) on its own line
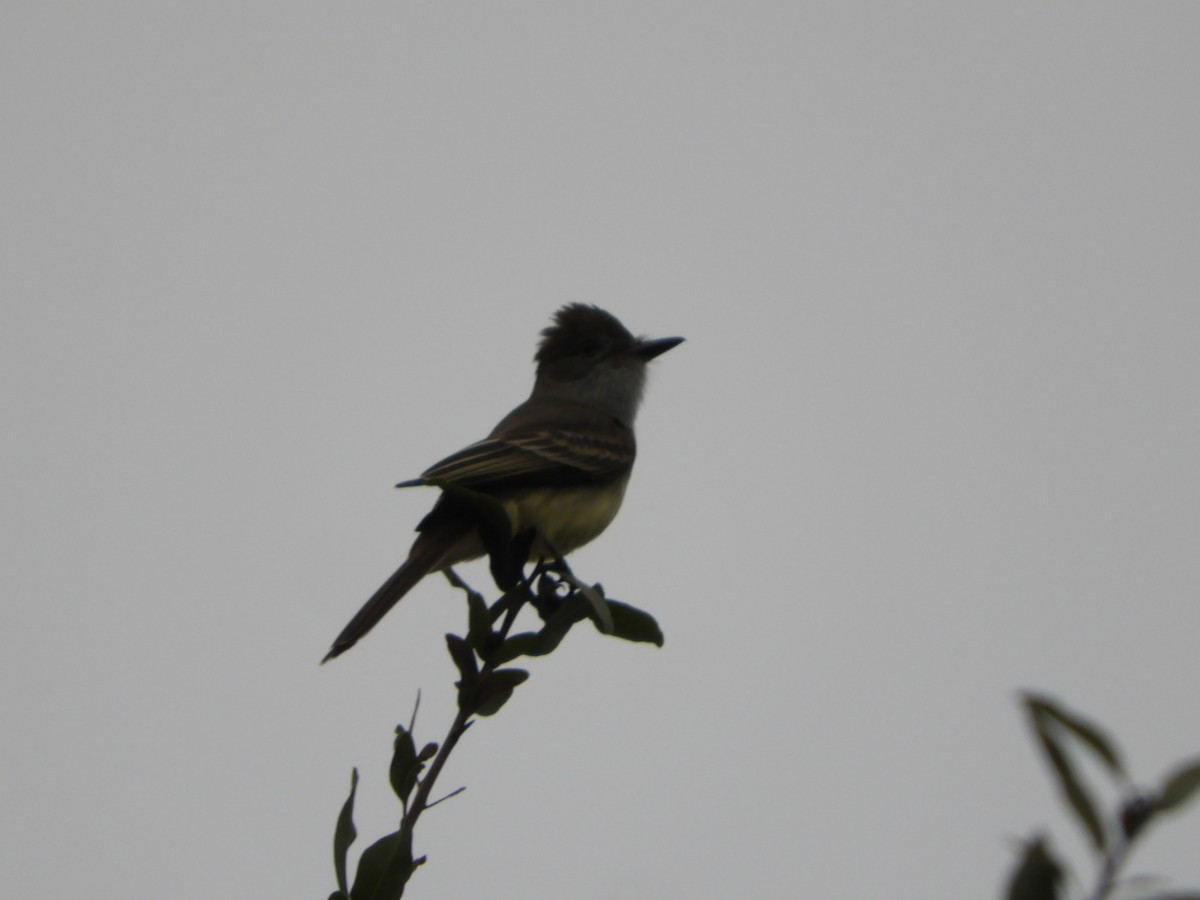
point(558, 464)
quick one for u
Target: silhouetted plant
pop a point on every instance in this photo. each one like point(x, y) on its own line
point(485, 684)
point(1039, 873)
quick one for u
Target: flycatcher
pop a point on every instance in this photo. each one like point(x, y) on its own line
point(558, 464)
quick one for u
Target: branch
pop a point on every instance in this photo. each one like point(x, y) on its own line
point(484, 686)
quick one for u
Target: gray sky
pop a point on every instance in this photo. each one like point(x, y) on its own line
point(933, 436)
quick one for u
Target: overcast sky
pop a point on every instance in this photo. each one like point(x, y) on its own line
point(933, 437)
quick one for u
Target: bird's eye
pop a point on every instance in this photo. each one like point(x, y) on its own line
point(590, 348)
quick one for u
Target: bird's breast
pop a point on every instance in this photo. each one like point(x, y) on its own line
point(567, 517)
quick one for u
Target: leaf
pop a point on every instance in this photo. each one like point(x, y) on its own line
point(405, 766)
point(1135, 814)
point(632, 624)
point(539, 643)
point(569, 611)
point(510, 677)
point(1075, 793)
point(1180, 786)
point(601, 614)
point(344, 833)
point(479, 627)
point(464, 659)
point(1038, 874)
point(1072, 788)
point(495, 688)
point(524, 644)
point(385, 867)
point(1091, 735)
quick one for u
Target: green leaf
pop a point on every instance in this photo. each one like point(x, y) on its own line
point(495, 688)
point(569, 612)
point(405, 766)
point(601, 614)
point(1180, 786)
point(632, 624)
point(524, 644)
point(385, 867)
point(464, 659)
point(1038, 874)
point(344, 834)
point(1092, 735)
point(1073, 790)
point(479, 628)
point(1135, 814)
point(510, 677)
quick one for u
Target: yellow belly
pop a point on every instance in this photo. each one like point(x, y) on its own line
point(566, 517)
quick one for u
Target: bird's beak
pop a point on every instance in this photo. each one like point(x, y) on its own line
point(647, 350)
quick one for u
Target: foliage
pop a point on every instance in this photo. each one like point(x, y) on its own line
point(485, 684)
point(1039, 873)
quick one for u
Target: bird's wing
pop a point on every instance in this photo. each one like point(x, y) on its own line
point(601, 452)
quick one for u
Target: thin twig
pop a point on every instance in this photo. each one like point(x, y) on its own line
point(412, 722)
point(462, 721)
point(454, 579)
point(421, 799)
point(1108, 873)
point(453, 793)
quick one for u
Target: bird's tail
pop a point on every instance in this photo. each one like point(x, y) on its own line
point(425, 556)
